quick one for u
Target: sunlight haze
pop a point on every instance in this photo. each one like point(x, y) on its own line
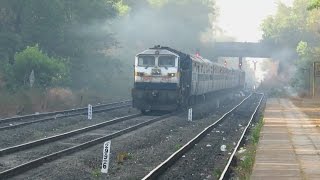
point(242, 19)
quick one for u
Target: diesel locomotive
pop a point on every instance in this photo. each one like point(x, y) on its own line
point(167, 79)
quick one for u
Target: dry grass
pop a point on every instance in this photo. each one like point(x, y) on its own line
point(58, 98)
point(122, 156)
point(36, 100)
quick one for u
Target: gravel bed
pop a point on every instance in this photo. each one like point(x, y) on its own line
point(133, 155)
point(40, 130)
point(208, 158)
point(18, 121)
point(18, 158)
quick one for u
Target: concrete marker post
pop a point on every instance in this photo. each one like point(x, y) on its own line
point(89, 111)
point(106, 157)
point(190, 114)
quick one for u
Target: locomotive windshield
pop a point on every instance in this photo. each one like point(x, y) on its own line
point(166, 61)
point(146, 61)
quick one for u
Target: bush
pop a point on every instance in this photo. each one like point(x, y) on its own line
point(48, 71)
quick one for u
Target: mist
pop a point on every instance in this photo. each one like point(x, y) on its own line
point(187, 27)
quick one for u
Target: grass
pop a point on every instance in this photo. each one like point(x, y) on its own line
point(216, 173)
point(245, 166)
point(255, 133)
point(246, 159)
point(178, 146)
point(96, 173)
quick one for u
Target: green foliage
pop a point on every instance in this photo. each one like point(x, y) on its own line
point(256, 132)
point(244, 168)
point(48, 71)
point(296, 29)
point(302, 48)
point(96, 173)
point(217, 173)
point(9, 44)
point(73, 29)
point(57, 25)
point(122, 8)
point(282, 29)
point(82, 32)
point(178, 146)
point(315, 4)
point(247, 164)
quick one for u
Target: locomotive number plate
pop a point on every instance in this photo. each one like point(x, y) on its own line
point(146, 78)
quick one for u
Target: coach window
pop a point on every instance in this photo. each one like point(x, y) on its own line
point(166, 61)
point(146, 61)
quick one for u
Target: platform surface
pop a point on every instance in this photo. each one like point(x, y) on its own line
point(289, 146)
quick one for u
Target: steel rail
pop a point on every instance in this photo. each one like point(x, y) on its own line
point(37, 162)
point(160, 169)
point(39, 142)
point(222, 176)
point(58, 117)
point(29, 116)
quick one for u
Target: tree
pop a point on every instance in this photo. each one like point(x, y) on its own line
point(58, 26)
point(73, 29)
point(48, 71)
point(297, 29)
point(315, 4)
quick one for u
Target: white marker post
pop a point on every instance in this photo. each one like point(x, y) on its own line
point(89, 111)
point(105, 158)
point(190, 114)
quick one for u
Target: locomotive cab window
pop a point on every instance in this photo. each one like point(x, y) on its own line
point(146, 61)
point(166, 61)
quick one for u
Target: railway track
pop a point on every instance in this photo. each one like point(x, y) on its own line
point(202, 149)
point(72, 141)
point(15, 122)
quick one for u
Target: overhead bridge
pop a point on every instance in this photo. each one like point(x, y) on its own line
point(245, 49)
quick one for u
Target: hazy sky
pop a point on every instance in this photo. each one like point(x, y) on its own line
point(242, 18)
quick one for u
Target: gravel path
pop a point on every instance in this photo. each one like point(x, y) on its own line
point(135, 154)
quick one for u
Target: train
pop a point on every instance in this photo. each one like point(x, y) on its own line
point(166, 79)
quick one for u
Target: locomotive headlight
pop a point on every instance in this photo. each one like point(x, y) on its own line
point(140, 74)
point(171, 74)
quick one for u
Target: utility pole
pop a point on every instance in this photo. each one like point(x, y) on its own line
point(240, 62)
point(316, 73)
